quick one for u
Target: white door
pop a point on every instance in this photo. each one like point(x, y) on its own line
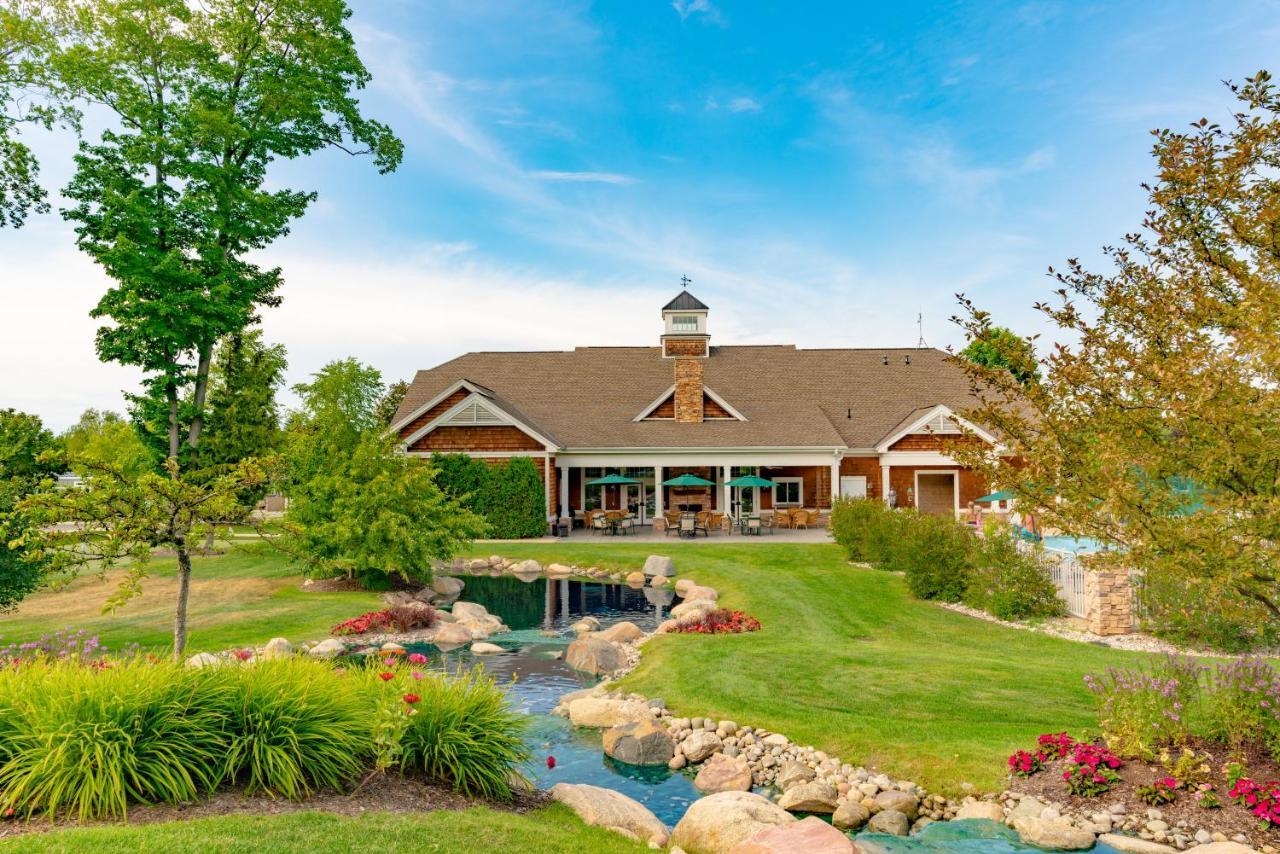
point(853, 486)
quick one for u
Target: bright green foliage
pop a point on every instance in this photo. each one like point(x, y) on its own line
point(390, 402)
point(295, 727)
point(866, 528)
point(1009, 583)
point(462, 478)
point(464, 733)
point(102, 438)
point(940, 554)
point(357, 506)
point(243, 418)
point(29, 455)
point(1000, 349)
point(513, 500)
point(1156, 425)
point(28, 452)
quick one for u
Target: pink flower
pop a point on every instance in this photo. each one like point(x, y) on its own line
point(416, 675)
point(417, 658)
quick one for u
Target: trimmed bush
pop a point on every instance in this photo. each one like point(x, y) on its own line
point(513, 500)
point(462, 478)
point(1008, 583)
point(463, 732)
point(936, 554)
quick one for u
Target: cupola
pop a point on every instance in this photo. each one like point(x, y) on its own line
point(684, 322)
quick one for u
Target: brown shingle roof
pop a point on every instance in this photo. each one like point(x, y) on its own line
point(588, 397)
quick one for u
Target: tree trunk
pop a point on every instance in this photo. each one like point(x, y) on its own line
point(208, 540)
point(184, 588)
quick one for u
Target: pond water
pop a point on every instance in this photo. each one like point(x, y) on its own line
point(539, 614)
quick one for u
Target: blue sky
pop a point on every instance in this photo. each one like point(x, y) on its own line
point(822, 172)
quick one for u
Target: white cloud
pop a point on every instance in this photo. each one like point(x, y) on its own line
point(687, 9)
point(582, 177)
point(744, 105)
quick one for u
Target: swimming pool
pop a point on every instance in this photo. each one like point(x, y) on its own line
point(1074, 545)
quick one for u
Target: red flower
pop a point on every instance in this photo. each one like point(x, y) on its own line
point(411, 698)
point(551, 762)
point(244, 654)
point(385, 676)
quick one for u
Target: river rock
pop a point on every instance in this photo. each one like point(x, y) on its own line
point(700, 744)
point(908, 805)
point(723, 773)
point(659, 565)
point(980, 809)
point(447, 585)
point(604, 712)
point(595, 655)
point(276, 648)
point(642, 742)
point(478, 619)
point(328, 648)
point(559, 570)
point(891, 822)
point(792, 773)
point(482, 648)
point(809, 797)
point(1135, 845)
point(606, 808)
point(811, 835)
point(635, 579)
point(718, 822)
point(850, 815)
point(659, 581)
point(1052, 833)
point(624, 632)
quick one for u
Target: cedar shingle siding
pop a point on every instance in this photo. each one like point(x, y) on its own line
point(477, 440)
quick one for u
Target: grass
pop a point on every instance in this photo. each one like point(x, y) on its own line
point(479, 829)
point(242, 598)
point(851, 664)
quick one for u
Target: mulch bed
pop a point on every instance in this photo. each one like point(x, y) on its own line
point(1231, 818)
point(332, 585)
point(392, 794)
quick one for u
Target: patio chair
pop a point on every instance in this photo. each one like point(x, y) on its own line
point(688, 526)
point(717, 522)
point(781, 518)
point(800, 519)
point(600, 522)
point(753, 527)
point(626, 525)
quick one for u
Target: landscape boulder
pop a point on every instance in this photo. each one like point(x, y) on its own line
point(811, 835)
point(478, 619)
point(659, 565)
point(700, 744)
point(908, 805)
point(989, 810)
point(723, 773)
point(643, 742)
point(603, 712)
point(635, 579)
point(697, 592)
point(1136, 845)
point(891, 822)
point(449, 636)
point(1052, 833)
point(850, 815)
point(692, 610)
point(624, 632)
point(485, 648)
point(718, 822)
point(791, 773)
point(682, 586)
point(526, 570)
point(559, 570)
point(809, 797)
point(446, 585)
point(276, 648)
point(594, 655)
point(203, 659)
point(328, 648)
point(612, 810)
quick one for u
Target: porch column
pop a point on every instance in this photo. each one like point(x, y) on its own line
point(724, 489)
point(563, 472)
point(658, 507)
point(835, 480)
point(884, 484)
point(546, 484)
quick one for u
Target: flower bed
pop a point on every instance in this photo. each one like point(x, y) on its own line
point(721, 621)
point(393, 619)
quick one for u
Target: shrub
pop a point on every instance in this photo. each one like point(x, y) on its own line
point(296, 726)
point(1140, 710)
point(397, 618)
point(89, 741)
point(513, 501)
point(462, 478)
point(859, 526)
point(1243, 699)
point(936, 554)
point(1188, 612)
point(463, 732)
point(1162, 791)
point(720, 622)
point(1009, 583)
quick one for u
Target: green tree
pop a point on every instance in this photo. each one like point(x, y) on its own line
point(513, 500)
point(29, 455)
point(106, 438)
point(462, 478)
point(390, 401)
point(1001, 349)
point(1156, 425)
point(358, 507)
point(173, 197)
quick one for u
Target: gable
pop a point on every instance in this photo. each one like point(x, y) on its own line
point(471, 421)
point(714, 408)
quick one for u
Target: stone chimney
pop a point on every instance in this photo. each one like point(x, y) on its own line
point(688, 394)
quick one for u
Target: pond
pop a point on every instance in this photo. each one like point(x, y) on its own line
point(540, 613)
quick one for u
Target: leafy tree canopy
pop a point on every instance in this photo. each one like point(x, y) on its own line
point(1001, 349)
point(106, 438)
point(390, 401)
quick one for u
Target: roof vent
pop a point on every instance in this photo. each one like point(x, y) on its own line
point(908, 358)
point(885, 357)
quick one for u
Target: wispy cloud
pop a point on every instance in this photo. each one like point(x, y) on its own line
point(687, 9)
point(582, 177)
point(740, 104)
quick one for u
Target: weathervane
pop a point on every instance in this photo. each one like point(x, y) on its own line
point(684, 282)
point(920, 344)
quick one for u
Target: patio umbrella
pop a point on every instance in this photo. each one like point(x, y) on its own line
point(611, 480)
point(688, 480)
point(749, 480)
point(1002, 495)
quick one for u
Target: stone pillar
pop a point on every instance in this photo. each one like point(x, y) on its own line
point(688, 394)
point(1108, 596)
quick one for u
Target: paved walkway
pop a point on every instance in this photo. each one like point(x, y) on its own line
point(646, 535)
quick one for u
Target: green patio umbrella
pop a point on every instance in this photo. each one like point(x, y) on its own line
point(1002, 495)
point(688, 480)
point(749, 480)
point(611, 480)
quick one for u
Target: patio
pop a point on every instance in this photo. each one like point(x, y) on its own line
point(646, 534)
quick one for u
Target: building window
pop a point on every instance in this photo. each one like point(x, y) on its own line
point(684, 323)
point(788, 491)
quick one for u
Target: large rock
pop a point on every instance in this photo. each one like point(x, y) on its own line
point(989, 810)
point(642, 742)
point(595, 655)
point(718, 822)
point(1052, 833)
point(635, 579)
point(483, 648)
point(604, 712)
point(850, 815)
point(624, 632)
point(606, 808)
point(1028, 806)
point(723, 773)
point(526, 570)
point(449, 636)
point(791, 773)
point(908, 805)
point(659, 565)
point(891, 822)
point(1224, 848)
point(328, 648)
point(691, 610)
point(446, 585)
point(809, 797)
point(559, 570)
point(1136, 845)
point(700, 744)
point(276, 648)
point(699, 592)
point(682, 586)
point(811, 835)
point(203, 659)
point(478, 619)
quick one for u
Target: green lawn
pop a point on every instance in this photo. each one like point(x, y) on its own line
point(850, 663)
point(241, 598)
point(549, 831)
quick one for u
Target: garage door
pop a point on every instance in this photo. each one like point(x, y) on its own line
point(937, 494)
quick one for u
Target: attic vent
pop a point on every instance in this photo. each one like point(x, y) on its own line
point(474, 414)
point(940, 424)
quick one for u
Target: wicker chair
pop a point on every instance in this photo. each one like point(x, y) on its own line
point(800, 519)
point(782, 518)
point(600, 522)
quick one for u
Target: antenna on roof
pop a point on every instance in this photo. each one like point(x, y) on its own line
point(920, 342)
point(685, 281)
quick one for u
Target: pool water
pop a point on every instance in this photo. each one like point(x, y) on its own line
point(540, 613)
point(1075, 545)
